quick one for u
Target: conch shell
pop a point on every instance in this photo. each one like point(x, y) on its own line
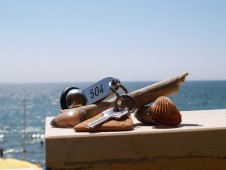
point(164, 112)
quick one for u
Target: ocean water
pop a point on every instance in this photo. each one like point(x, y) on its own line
point(43, 100)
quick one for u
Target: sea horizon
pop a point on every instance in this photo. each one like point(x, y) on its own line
point(129, 81)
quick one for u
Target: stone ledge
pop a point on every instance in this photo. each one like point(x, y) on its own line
point(200, 138)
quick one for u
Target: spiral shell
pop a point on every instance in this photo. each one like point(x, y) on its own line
point(164, 112)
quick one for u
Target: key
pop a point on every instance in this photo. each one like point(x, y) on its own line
point(105, 116)
point(108, 114)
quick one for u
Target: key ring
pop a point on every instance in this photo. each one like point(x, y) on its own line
point(115, 85)
point(124, 101)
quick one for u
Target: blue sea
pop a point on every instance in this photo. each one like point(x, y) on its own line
point(42, 100)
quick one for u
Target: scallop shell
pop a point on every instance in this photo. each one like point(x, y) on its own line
point(142, 115)
point(164, 112)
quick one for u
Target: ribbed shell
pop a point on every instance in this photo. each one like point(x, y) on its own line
point(164, 112)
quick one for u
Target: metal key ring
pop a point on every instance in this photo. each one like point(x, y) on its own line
point(115, 85)
point(124, 103)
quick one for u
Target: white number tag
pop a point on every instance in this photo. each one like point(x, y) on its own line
point(98, 91)
point(73, 96)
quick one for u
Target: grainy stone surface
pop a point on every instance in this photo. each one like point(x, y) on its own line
point(198, 143)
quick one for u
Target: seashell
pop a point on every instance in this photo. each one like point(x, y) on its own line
point(164, 112)
point(68, 118)
point(142, 115)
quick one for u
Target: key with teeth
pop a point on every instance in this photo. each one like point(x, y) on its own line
point(124, 104)
point(108, 114)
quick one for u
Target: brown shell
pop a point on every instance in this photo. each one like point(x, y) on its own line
point(164, 112)
point(142, 115)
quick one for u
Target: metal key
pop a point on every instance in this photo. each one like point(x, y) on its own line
point(108, 114)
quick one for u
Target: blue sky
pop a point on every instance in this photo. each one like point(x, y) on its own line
point(69, 40)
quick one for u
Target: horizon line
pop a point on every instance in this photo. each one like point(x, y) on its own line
point(63, 82)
